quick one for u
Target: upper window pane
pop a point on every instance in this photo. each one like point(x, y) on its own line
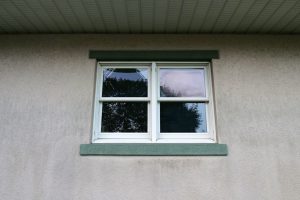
point(180, 82)
point(125, 82)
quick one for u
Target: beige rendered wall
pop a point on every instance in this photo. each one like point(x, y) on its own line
point(46, 97)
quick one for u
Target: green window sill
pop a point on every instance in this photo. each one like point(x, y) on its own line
point(158, 149)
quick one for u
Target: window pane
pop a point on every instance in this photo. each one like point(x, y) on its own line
point(125, 82)
point(124, 117)
point(183, 117)
point(182, 82)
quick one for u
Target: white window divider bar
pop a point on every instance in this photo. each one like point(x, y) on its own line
point(154, 117)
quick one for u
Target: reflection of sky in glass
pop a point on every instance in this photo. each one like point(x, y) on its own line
point(182, 82)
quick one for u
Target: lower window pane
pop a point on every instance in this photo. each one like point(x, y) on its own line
point(124, 117)
point(181, 117)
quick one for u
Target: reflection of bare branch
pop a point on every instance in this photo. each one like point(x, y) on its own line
point(124, 117)
point(113, 87)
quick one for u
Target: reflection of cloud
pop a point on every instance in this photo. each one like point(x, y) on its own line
point(187, 82)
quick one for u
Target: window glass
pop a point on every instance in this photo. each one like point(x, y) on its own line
point(181, 117)
point(124, 117)
point(153, 102)
point(179, 82)
point(125, 82)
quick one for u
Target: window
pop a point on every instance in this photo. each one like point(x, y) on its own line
point(162, 108)
point(154, 102)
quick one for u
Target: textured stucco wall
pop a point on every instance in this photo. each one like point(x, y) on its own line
point(46, 97)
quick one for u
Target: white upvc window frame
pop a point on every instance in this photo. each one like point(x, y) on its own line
point(153, 100)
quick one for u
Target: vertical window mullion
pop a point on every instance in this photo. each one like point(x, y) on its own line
point(154, 117)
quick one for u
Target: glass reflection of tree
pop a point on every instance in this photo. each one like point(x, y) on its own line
point(135, 86)
point(165, 91)
point(124, 117)
point(132, 116)
point(178, 116)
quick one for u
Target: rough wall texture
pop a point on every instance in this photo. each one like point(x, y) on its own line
point(46, 97)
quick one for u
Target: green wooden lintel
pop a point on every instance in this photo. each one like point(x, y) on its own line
point(160, 55)
point(157, 149)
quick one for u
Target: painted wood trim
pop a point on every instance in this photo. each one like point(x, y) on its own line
point(157, 149)
point(188, 55)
